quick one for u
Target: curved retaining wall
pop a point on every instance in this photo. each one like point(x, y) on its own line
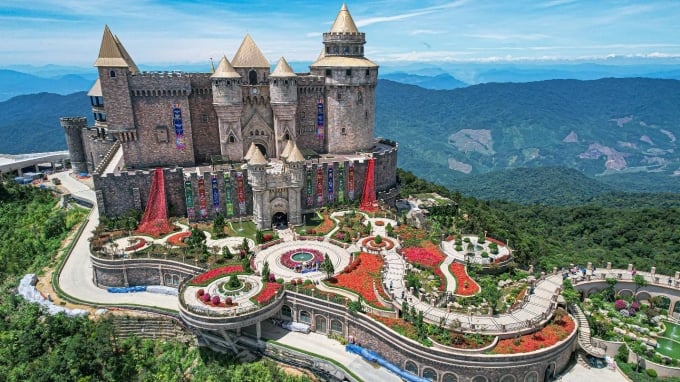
point(142, 271)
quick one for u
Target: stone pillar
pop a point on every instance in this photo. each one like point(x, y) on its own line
point(589, 266)
point(531, 269)
point(554, 271)
point(609, 266)
point(258, 330)
point(630, 267)
point(653, 271)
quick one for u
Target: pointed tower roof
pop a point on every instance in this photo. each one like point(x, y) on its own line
point(283, 69)
point(112, 53)
point(257, 158)
point(249, 55)
point(251, 149)
point(286, 150)
point(96, 89)
point(344, 22)
point(295, 155)
point(225, 70)
point(126, 56)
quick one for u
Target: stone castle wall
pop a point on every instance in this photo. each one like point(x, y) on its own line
point(206, 138)
point(310, 90)
point(95, 147)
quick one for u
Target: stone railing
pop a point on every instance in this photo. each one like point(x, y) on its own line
point(107, 157)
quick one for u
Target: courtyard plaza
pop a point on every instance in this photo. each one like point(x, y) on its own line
point(76, 281)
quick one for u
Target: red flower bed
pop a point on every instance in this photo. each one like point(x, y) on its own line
point(212, 274)
point(465, 286)
point(407, 232)
point(546, 337)
point(361, 279)
point(326, 226)
point(428, 256)
point(178, 239)
point(267, 293)
point(139, 243)
point(267, 237)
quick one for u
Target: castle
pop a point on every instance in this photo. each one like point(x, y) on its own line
point(241, 140)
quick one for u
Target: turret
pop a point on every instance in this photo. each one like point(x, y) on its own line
point(350, 81)
point(283, 91)
point(73, 128)
point(295, 167)
point(257, 178)
point(250, 63)
point(226, 85)
point(115, 65)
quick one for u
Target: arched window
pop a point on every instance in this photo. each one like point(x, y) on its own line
point(430, 374)
point(251, 133)
point(286, 312)
point(531, 377)
point(112, 74)
point(232, 138)
point(252, 77)
point(360, 98)
point(336, 326)
point(411, 367)
point(448, 377)
point(480, 378)
point(286, 137)
point(321, 325)
point(257, 132)
point(305, 317)
point(508, 378)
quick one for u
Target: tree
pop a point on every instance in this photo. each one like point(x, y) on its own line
point(218, 225)
point(259, 237)
point(245, 246)
point(226, 252)
point(265, 272)
point(327, 266)
point(639, 281)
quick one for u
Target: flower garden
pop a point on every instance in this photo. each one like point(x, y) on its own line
point(426, 258)
point(465, 285)
point(267, 293)
point(213, 274)
point(360, 277)
point(290, 263)
point(556, 331)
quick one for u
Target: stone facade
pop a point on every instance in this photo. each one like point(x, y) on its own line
point(329, 113)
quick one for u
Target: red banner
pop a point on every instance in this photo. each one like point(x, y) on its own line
point(202, 200)
point(319, 186)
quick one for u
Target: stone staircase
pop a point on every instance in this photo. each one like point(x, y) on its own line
point(584, 334)
point(151, 327)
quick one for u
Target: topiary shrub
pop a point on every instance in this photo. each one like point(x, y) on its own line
point(635, 305)
point(651, 372)
point(228, 301)
point(620, 304)
point(272, 278)
point(205, 297)
point(308, 282)
point(215, 300)
point(378, 239)
point(200, 292)
point(485, 255)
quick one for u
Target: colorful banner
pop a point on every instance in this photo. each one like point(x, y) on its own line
point(241, 193)
point(189, 195)
point(179, 126)
point(350, 182)
point(309, 188)
point(215, 194)
point(341, 183)
point(227, 193)
point(330, 185)
point(319, 186)
point(319, 118)
point(202, 200)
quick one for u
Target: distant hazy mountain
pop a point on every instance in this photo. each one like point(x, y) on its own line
point(624, 131)
point(13, 83)
point(437, 82)
point(30, 123)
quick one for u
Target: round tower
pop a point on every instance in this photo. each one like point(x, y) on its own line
point(73, 129)
point(226, 86)
point(350, 81)
point(257, 178)
point(284, 102)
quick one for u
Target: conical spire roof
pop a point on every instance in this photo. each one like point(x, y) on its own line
point(295, 155)
point(126, 56)
point(344, 22)
point(110, 54)
point(286, 150)
point(251, 149)
point(249, 55)
point(257, 158)
point(225, 70)
point(283, 69)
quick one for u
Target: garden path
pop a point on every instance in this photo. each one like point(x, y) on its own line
point(450, 280)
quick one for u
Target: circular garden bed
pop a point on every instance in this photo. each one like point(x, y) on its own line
point(296, 258)
point(377, 243)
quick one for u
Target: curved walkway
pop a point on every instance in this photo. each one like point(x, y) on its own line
point(584, 337)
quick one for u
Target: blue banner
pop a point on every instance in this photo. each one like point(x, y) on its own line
point(330, 185)
point(319, 118)
point(179, 126)
point(215, 194)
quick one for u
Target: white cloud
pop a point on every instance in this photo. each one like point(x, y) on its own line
point(507, 36)
point(556, 3)
point(416, 12)
point(426, 31)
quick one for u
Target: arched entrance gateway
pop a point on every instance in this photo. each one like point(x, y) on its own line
point(280, 220)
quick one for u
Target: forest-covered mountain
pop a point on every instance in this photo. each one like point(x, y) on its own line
point(620, 130)
point(30, 123)
point(14, 83)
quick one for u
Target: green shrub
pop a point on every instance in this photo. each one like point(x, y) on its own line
point(651, 372)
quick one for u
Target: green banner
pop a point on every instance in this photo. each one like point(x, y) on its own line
point(189, 194)
point(309, 187)
point(227, 192)
point(341, 183)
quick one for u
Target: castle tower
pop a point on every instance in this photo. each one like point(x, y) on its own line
point(115, 65)
point(250, 63)
point(257, 178)
point(350, 81)
point(73, 128)
point(226, 85)
point(295, 165)
point(283, 91)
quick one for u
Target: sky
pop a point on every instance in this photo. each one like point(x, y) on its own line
point(68, 32)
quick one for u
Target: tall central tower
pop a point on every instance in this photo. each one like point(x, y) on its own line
point(350, 81)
